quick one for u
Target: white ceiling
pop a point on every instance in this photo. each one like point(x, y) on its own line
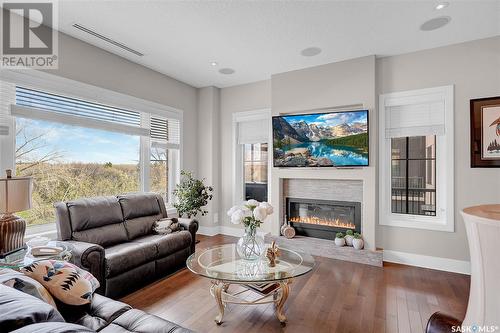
point(260, 38)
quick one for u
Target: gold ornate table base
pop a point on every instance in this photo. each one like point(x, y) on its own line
point(220, 291)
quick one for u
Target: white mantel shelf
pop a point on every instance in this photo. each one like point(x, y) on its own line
point(326, 248)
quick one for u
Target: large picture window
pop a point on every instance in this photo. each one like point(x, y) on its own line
point(74, 147)
point(69, 162)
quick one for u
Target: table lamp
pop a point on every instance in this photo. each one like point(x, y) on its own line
point(15, 196)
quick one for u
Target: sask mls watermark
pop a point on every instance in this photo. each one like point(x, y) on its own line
point(475, 329)
point(29, 35)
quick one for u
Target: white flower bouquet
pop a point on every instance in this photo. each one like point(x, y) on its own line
point(251, 214)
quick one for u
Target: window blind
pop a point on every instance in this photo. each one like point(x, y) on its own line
point(165, 130)
point(253, 131)
point(30, 103)
point(415, 119)
point(76, 107)
point(7, 127)
point(7, 97)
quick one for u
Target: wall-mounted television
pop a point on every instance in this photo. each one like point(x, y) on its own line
point(328, 139)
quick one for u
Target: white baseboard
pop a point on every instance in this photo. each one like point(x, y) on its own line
point(208, 231)
point(230, 231)
point(442, 264)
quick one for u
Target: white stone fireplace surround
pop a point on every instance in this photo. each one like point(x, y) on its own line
point(322, 189)
point(355, 184)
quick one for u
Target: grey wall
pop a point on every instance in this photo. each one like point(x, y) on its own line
point(474, 69)
point(208, 140)
point(88, 64)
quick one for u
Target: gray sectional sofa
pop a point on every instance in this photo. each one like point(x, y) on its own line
point(112, 237)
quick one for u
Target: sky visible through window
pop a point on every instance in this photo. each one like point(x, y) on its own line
point(70, 162)
point(81, 144)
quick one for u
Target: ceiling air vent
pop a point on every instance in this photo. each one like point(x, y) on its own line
point(107, 39)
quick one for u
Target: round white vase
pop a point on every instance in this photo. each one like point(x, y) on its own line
point(358, 243)
point(348, 240)
point(339, 242)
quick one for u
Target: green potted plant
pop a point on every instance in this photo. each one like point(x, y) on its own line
point(339, 239)
point(358, 242)
point(349, 236)
point(192, 195)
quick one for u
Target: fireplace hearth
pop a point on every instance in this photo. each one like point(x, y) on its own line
point(323, 218)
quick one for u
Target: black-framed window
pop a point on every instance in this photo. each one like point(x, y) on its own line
point(413, 175)
point(255, 171)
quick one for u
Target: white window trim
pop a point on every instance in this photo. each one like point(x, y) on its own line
point(238, 165)
point(62, 86)
point(444, 219)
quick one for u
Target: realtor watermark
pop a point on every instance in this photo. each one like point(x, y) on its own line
point(29, 35)
point(475, 329)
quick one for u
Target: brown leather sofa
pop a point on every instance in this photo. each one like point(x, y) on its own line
point(112, 238)
point(23, 313)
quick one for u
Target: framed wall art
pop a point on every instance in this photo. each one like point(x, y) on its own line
point(485, 132)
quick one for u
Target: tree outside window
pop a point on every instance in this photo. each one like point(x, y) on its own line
point(70, 162)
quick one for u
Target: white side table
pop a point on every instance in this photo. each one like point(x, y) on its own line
point(483, 232)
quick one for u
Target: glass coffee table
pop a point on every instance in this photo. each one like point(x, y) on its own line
point(24, 257)
point(256, 282)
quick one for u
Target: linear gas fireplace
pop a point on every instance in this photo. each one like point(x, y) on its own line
point(323, 218)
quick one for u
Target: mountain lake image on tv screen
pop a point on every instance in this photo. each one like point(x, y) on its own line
point(335, 139)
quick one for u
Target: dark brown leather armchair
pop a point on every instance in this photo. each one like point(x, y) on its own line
point(112, 238)
point(441, 323)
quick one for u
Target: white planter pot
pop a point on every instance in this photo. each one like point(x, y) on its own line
point(348, 240)
point(358, 243)
point(339, 242)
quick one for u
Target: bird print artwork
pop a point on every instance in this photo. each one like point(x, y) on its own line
point(496, 123)
point(493, 147)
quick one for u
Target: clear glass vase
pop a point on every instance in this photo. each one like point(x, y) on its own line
point(251, 245)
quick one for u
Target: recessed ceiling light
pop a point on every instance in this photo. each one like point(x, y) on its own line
point(213, 63)
point(226, 71)
point(310, 51)
point(435, 23)
point(442, 5)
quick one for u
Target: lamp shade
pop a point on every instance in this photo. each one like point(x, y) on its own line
point(15, 194)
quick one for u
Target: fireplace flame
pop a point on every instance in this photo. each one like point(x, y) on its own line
point(328, 222)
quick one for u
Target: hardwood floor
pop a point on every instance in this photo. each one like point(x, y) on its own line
point(337, 296)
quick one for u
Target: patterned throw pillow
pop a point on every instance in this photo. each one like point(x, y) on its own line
point(19, 281)
point(65, 281)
